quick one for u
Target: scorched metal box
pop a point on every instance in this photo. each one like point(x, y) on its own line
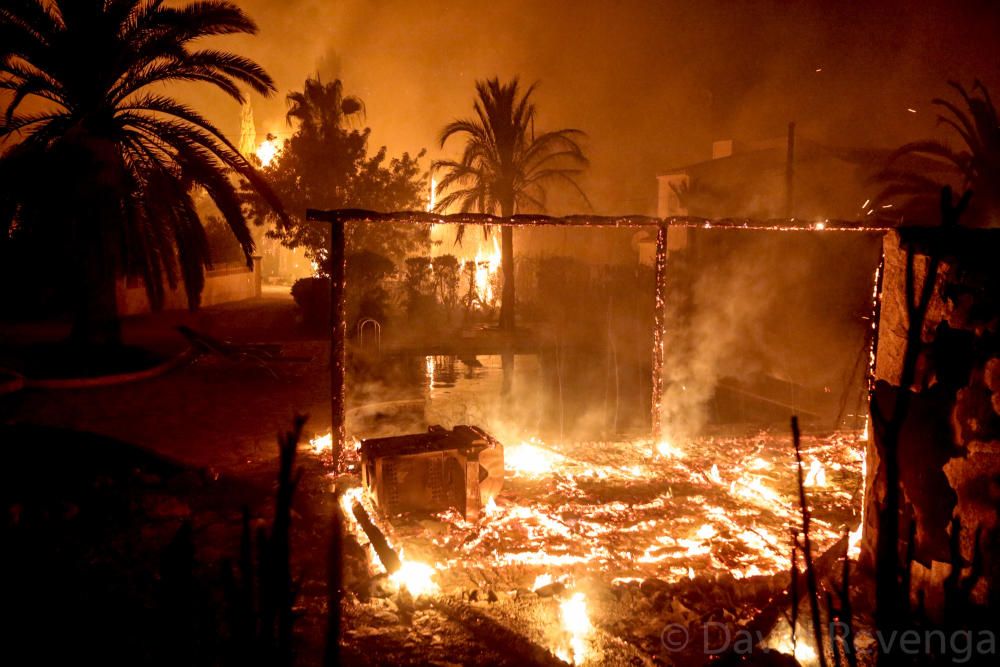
point(431, 472)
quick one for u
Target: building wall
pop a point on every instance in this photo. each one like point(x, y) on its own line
point(222, 285)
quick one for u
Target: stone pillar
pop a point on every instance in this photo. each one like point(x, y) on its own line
point(949, 444)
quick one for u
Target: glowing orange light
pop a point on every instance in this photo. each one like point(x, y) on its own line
point(268, 150)
point(576, 622)
point(417, 578)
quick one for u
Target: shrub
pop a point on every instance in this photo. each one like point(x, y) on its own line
point(312, 296)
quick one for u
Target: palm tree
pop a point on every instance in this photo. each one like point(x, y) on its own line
point(322, 107)
point(975, 165)
point(105, 165)
point(505, 168)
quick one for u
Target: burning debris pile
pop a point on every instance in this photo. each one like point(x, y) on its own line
point(635, 509)
point(601, 538)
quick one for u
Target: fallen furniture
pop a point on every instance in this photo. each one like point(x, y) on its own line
point(261, 354)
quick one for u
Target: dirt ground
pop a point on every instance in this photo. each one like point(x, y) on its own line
point(196, 444)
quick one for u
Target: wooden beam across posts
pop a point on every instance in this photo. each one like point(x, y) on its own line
point(658, 323)
point(595, 221)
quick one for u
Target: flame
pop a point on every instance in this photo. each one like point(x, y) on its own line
point(491, 509)
point(268, 150)
point(486, 266)
point(667, 450)
point(529, 459)
point(577, 625)
point(432, 199)
point(816, 476)
point(713, 474)
point(541, 581)
point(322, 444)
point(854, 539)
point(415, 577)
point(854, 542)
point(805, 654)
point(429, 368)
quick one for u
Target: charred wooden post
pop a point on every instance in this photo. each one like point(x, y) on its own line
point(658, 323)
point(386, 554)
point(338, 339)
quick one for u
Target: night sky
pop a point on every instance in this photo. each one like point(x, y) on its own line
point(652, 83)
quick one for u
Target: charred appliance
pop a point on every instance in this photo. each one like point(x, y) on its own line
point(433, 471)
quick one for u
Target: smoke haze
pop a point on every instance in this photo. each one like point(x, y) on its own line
point(652, 83)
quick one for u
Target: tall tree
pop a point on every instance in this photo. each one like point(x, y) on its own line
point(974, 165)
point(106, 164)
point(325, 164)
point(505, 168)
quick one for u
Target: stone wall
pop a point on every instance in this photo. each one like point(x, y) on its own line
point(949, 448)
point(222, 285)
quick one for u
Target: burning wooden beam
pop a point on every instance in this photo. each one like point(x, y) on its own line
point(627, 221)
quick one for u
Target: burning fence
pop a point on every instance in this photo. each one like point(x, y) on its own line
point(574, 520)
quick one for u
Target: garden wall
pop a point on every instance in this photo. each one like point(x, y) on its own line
point(949, 445)
point(223, 284)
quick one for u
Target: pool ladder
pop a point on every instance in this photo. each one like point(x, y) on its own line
point(375, 332)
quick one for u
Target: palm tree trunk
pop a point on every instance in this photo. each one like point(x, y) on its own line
point(507, 266)
point(95, 317)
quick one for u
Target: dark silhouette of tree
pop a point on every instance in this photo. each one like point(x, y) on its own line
point(975, 164)
point(104, 169)
point(322, 106)
point(325, 164)
point(698, 197)
point(505, 167)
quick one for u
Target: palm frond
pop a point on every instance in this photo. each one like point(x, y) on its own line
point(148, 148)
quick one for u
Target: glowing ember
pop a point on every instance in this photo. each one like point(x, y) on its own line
point(268, 150)
point(577, 625)
point(417, 578)
point(622, 509)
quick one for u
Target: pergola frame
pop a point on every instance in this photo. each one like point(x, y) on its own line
point(339, 218)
